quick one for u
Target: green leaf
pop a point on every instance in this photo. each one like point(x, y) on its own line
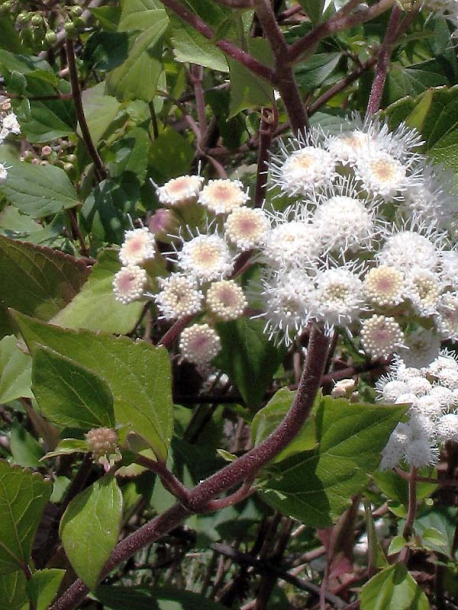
point(437, 530)
point(137, 373)
point(249, 358)
point(68, 446)
point(69, 394)
point(267, 419)
point(171, 155)
point(9, 38)
point(248, 90)
point(316, 486)
point(140, 14)
point(413, 80)
point(189, 46)
point(396, 488)
point(15, 371)
point(13, 595)
point(377, 557)
point(23, 496)
point(396, 545)
point(90, 527)
point(36, 280)
point(312, 73)
point(137, 77)
point(141, 598)
point(25, 449)
point(37, 190)
point(43, 587)
point(100, 110)
point(313, 8)
point(95, 307)
point(393, 589)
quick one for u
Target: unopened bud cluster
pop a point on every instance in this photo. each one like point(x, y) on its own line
point(103, 444)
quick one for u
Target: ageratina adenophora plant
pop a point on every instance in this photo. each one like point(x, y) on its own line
point(228, 304)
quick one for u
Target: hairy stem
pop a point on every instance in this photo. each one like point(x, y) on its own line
point(383, 62)
point(231, 475)
point(412, 509)
point(269, 121)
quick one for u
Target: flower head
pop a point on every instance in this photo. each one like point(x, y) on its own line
point(129, 284)
point(338, 298)
point(103, 444)
point(180, 191)
point(138, 247)
point(178, 297)
point(199, 344)
point(383, 285)
point(226, 300)
point(3, 172)
point(246, 227)
point(381, 336)
point(223, 196)
point(206, 257)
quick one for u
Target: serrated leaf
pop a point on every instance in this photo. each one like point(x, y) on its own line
point(95, 307)
point(43, 587)
point(13, 595)
point(137, 77)
point(69, 394)
point(37, 190)
point(137, 373)
point(267, 419)
point(23, 496)
point(100, 110)
point(248, 358)
point(15, 371)
point(90, 527)
point(316, 486)
point(393, 589)
point(36, 280)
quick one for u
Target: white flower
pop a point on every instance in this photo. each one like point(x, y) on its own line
point(291, 244)
point(129, 283)
point(138, 247)
point(180, 191)
point(395, 448)
point(344, 223)
point(390, 389)
point(382, 174)
point(178, 297)
point(407, 249)
point(199, 344)
point(420, 348)
point(3, 172)
point(422, 287)
point(381, 336)
point(447, 315)
point(246, 227)
point(302, 166)
point(223, 196)
point(11, 124)
point(206, 257)
point(338, 298)
point(384, 285)
point(226, 300)
point(447, 427)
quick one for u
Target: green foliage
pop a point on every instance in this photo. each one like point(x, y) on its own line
point(95, 514)
point(315, 486)
point(43, 587)
point(137, 374)
point(15, 371)
point(393, 588)
point(139, 598)
point(13, 595)
point(35, 280)
point(23, 495)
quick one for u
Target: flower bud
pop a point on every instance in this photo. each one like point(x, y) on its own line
point(163, 223)
point(103, 444)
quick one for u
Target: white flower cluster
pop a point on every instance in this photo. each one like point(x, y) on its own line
point(8, 120)
point(432, 393)
point(365, 241)
point(130, 282)
point(448, 8)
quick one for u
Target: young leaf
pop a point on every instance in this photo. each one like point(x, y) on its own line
point(137, 374)
point(393, 589)
point(23, 496)
point(100, 110)
point(90, 527)
point(67, 446)
point(69, 394)
point(36, 280)
point(25, 449)
point(190, 46)
point(95, 307)
point(15, 371)
point(249, 358)
point(37, 190)
point(140, 14)
point(42, 588)
point(316, 486)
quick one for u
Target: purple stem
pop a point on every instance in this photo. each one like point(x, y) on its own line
point(231, 475)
